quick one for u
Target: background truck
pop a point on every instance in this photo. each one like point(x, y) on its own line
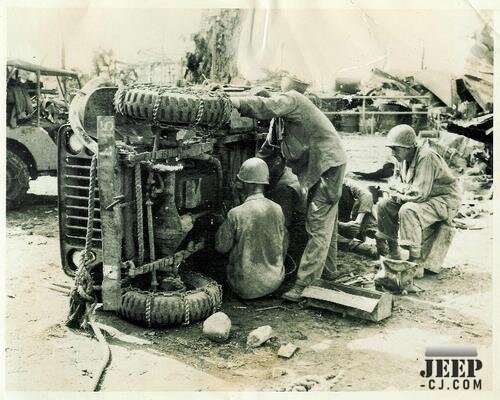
point(37, 105)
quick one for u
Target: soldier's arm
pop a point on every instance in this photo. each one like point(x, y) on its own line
point(265, 107)
point(224, 238)
point(421, 187)
point(286, 198)
point(363, 196)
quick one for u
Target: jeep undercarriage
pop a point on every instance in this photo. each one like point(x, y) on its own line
point(139, 198)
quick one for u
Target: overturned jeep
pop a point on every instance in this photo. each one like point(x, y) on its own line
point(143, 169)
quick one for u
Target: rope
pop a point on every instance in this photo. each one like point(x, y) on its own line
point(225, 116)
point(82, 293)
point(201, 110)
point(98, 376)
point(294, 265)
point(211, 298)
point(148, 309)
point(156, 107)
point(83, 302)
point(140, 217)
point(119, 100)
point(187, 310)
point(215, 299)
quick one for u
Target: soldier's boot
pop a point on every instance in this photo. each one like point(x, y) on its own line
point(382, 248)
point(394, 251)
point(416, 258)
point(294, 294)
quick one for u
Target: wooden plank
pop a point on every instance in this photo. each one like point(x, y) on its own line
point(382, 311)
point(373, 294)
point(110, 185)
point(342, 298)
point(383, 301)
point(337, 308)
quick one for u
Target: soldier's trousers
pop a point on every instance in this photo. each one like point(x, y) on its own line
point(408, 220)
point(321, 226)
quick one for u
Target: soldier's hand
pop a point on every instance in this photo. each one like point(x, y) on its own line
point(259, 91)
point(353, 228)
point(395, 197)
point(218, 218)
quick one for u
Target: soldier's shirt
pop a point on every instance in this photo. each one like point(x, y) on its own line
point(310, 144)
point(254, 234)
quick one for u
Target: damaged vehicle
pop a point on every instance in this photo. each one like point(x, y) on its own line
point(143, 172)
point(37, 106)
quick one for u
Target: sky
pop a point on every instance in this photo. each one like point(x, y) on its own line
point(315, 44)
point(38, 34)
point(318, 45)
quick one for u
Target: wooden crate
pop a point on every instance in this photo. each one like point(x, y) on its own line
point(354, 301)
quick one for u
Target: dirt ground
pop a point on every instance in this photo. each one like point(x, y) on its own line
point(41, 354)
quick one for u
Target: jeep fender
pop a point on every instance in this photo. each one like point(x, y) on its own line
point(37, 142)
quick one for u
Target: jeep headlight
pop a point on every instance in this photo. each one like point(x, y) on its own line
point(73, 143)
point(76, 257)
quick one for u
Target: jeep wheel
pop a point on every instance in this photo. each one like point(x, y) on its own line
point(157, 309)
point(18, 180)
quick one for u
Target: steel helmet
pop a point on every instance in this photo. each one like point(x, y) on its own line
point(402, 136)
point(254, 170)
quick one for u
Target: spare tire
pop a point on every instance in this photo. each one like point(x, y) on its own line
point(18, 180)
point(163, 105)
point(158, 309)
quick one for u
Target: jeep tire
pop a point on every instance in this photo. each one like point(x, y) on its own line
point(167, 309)
point(18, 180)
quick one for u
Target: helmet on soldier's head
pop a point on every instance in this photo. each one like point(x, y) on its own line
point(291, 82)
point(254, 170)
point(402, 136)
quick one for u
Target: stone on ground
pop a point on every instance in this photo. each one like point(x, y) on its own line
point(259, 336)
point(217, 327)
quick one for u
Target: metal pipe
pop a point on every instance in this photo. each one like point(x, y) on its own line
point(330, 113)
point(358, 97)
point(38, 94)
point(139, 211)
point(63, 92)
point(128, 218)
point(152, 256)
point(363, 115)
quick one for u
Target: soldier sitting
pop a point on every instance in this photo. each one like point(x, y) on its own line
point(254, 234)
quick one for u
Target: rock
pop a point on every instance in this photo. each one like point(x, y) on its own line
point(217, 327)
point(287, 350)
point(259, 336)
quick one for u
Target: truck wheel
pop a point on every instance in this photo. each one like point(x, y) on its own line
point(173, 308)
point(18, 180)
